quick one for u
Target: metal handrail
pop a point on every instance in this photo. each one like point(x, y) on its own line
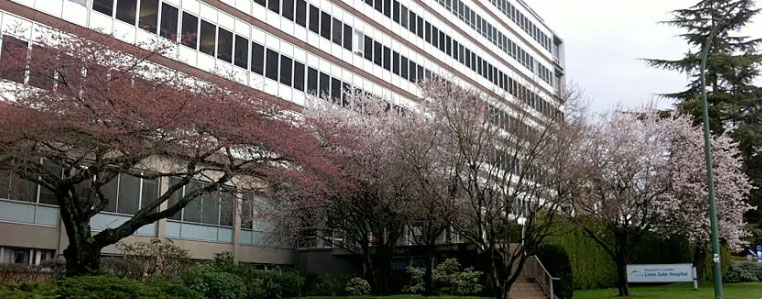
point(542, 276)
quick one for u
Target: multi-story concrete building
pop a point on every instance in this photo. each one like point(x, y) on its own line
point(289, 50)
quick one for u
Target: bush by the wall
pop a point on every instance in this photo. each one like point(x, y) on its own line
point(326, 284)
point(27, 291)
point(416, 284)
point(743, 271)
point(357, 287)
point(556, 261)
point(105, 286)
point(281, 283)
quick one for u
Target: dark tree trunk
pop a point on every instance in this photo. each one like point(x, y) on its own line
point(428, 274)
point(621, 275)
point(83, 255)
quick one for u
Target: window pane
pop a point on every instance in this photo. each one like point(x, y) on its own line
point(312, 81)
point(257, 58)
point(207, 39)
point(272, 65)
point(246, 208)
point(227, 207)
point(274, 5)
point(225, 45)
point(285, 70)
point(298, 75)
point(324, 85)
point(150, 192)
point(335, 89)
point(211, 208)
point(325, 25)
point(396, 63)
point(189, 34)
point(368, 48)
point(347, 37)
point(168, 27)
point(110, 191)
point(126, 10)
point(396, 12)
point(241, 52)
point(104, 6)
point(260, 2)
point(301, 12)
point(46, 196)
point(288, 9)
point(404, 67)
point(5, 184)
point(192, 211)
point(388, 8)
point(175, 197)
point(129, 194)
point(411, 21)
point(40, 74)
point(22, 190)
point(387, 58)
point(377, 53)
point(338, 28)
point(149, 15)
point(13, 50)
point(314, 19)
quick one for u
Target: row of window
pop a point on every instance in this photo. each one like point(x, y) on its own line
point(496, 37)
point(442, 41)
point(527, 25)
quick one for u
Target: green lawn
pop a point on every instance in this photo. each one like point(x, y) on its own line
point(679, 291)
point(672, 291)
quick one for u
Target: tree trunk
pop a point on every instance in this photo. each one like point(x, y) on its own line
point(83, 255)
point(428, 277)
point(621, 274)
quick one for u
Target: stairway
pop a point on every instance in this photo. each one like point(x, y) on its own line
point(523, 288)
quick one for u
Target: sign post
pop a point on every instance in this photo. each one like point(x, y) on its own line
point(662, 273)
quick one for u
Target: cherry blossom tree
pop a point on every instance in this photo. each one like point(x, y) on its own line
point(93, 108)
point(645, 173)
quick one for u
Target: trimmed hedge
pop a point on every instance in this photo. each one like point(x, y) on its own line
point(556, 261)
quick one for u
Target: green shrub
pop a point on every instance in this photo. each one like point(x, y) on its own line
point(357, 287)
point(207, 280)
point(174, 288)
point(326, 284)
point(743, 271)
point(105, 286)
point(451, 280)
point(27, 291)
point(281, 283)
point(556, 261)
point(416, 284)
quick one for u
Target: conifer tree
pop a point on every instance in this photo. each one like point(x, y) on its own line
point(734, 62)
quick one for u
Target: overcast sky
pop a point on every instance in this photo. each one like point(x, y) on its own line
point(605, 38)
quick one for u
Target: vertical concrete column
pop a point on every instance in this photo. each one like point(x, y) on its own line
point(161, 225)
point(237, 228)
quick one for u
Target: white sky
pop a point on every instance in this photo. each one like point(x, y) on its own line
point(605, 38)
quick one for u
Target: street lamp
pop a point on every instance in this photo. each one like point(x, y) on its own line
point(708, 156)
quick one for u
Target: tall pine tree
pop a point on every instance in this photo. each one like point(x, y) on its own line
point(734, 62)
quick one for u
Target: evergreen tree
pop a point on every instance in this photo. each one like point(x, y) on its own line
point(734, 61)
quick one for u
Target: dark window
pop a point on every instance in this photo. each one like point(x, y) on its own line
point(396, 12)
point(225, 45)
point(368, 48)
point(39, 75)
point(428, 32)
point(189, 34)
point(285, 70)
point(435, 37)
point(411, 26)
point(274, 5)
point(387, 58)
point(126, 10)
point(288, 9)
point(168, 28)
point(403, 16)
point(257, 58)
point(377, 53)
point(420, 27)
point(347, 37)
point(314, 19)
point(345, 91)
point(335, 89)
point(13, 49)
point(104, 6)
point(338, 28)
point(298, 75)
point(301, 13)
point(207, 38)
point(396, 63)
point(413, 76)
point(312, 81)
point(404, 67)
point(272, 65)
point(388, 8)
point(260, 2)
point(325, 85)
point(325, 25)
point(377, 4)
point(455, 46)
point(241, 52)
point(149, 15)
point(129, 194)
point(419, 73)
point(448, 45)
